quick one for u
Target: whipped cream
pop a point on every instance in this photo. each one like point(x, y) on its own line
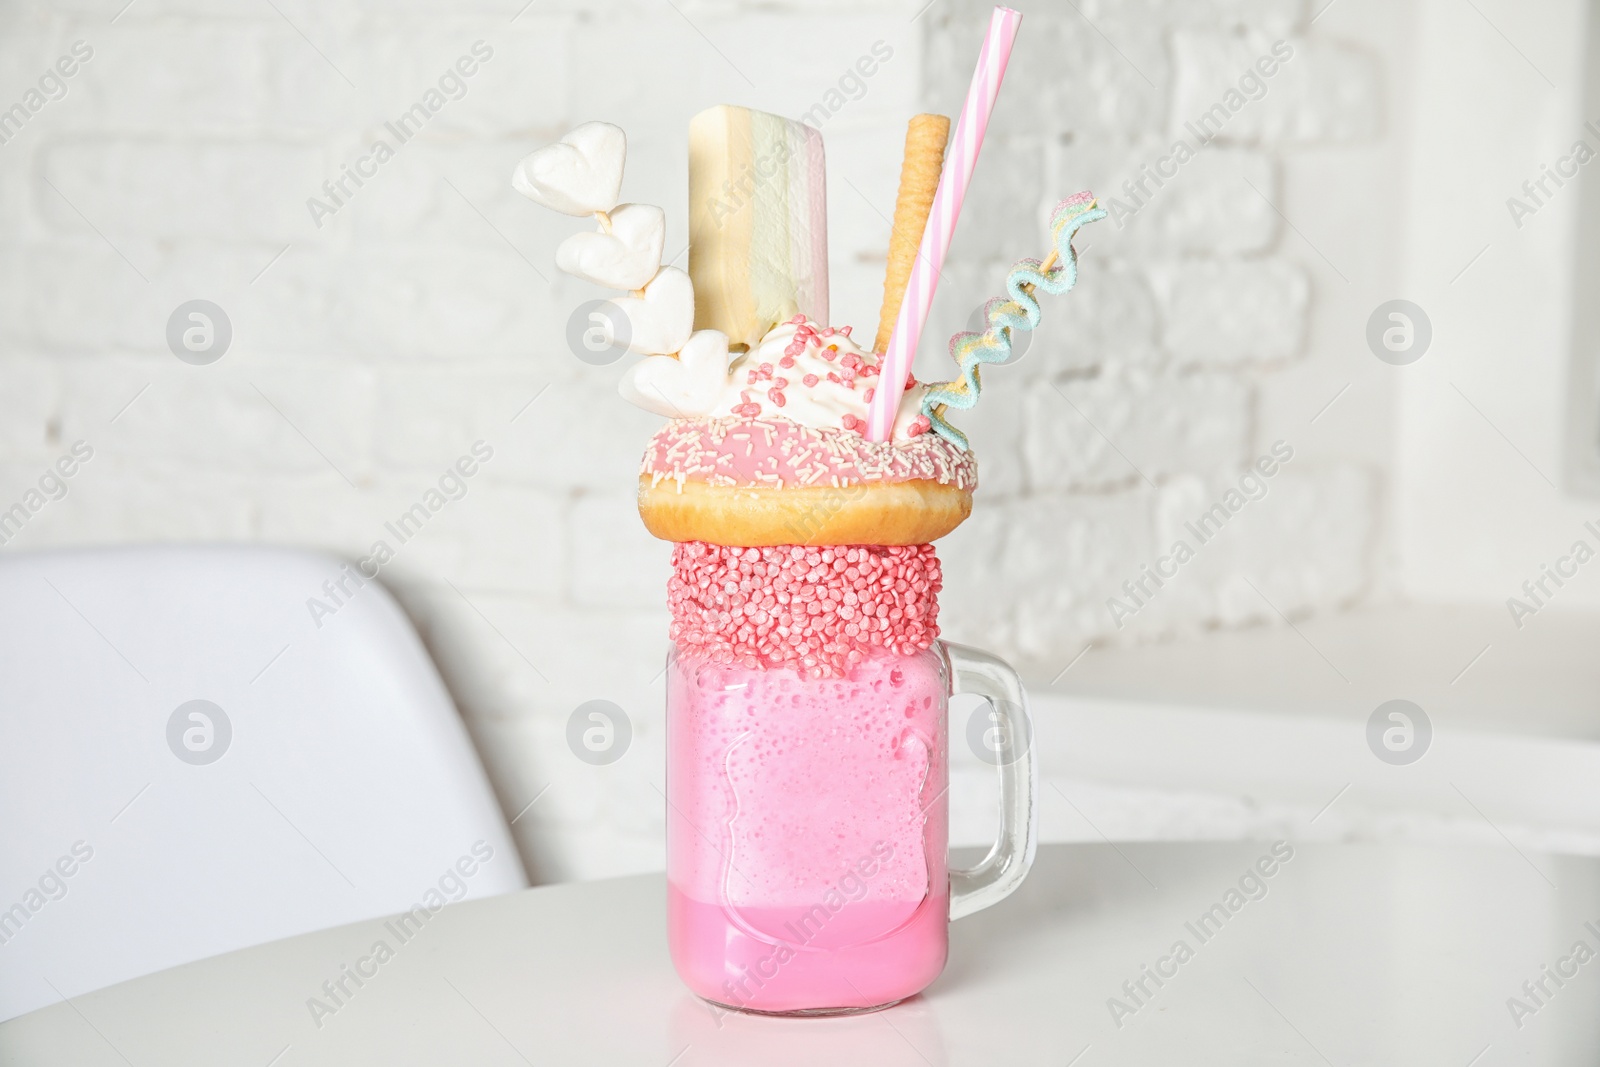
point(810, 374)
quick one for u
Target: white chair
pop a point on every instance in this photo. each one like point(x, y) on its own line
point(336, 782)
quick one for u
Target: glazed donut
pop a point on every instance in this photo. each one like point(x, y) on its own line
point(771, 481)
point(779, 455)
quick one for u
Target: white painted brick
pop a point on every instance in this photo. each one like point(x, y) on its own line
point(856, 299)
point(380, 300)
point(638, 96)
point(994, 428)
point(53, 519)
point(47, 302)
point(611, 655)
point(114, 501)
point(494, 14)
point(409, 201)
point(1110, 315)
point(76, 294)
point(603, 822)
point(964, 286)
point(620, 802)
point(181, 188)
point(1004, 214)
point(429, 415)
point(1062, 564)
point(102, 11)
point(798, 61)
point(30, 400)
point(580, 434)
point(521, 658)
point(493, 537)
point(586, 438)
point(96, 390)
point(219, 78)
point(1324, 92)
point(399, 300)
point(240, 416)
point(29, 50)
point(1277, 17)
point(522, 85)
point(1209, 207)
point(334, 518)
point(1305, 545)
point(577, 794)
point(976, 606)
point(1230, 312)
point(904, 8)
point(1318, 538)
point(505, 537)
point(587, 822)
point(412, 201)
point(1108, 431)
point(15, 195)
point(1076, 80)
point(615, 562)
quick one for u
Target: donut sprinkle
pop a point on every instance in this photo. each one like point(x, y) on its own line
point(777, 453)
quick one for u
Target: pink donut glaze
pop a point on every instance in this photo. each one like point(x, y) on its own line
point(817, 611)
point(779, 453)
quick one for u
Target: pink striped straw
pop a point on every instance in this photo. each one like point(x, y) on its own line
point(953, 182)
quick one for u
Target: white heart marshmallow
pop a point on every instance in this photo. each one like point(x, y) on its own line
point(579, 174)
point(681, 387)
point(661, 321)
point(627, 257)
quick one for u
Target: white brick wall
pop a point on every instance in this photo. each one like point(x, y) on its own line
point(416, 320)
point(1232, 311)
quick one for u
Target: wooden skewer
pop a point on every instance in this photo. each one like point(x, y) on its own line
point(1044, 268)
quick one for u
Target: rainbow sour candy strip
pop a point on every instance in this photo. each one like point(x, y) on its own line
point(1021, 312)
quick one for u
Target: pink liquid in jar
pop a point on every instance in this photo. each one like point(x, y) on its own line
point(806, 832)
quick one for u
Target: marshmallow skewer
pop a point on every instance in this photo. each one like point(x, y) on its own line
point(926, 136)
point(581, 174)
point(953, 183)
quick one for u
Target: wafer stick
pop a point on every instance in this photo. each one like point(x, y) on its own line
point(919, 180)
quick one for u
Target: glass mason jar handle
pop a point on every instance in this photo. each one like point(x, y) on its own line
point(1006, 865)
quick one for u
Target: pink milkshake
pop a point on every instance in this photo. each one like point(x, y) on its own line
point(808, 691)
point(806, 832)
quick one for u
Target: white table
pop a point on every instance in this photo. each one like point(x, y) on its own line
point(1355, 955)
